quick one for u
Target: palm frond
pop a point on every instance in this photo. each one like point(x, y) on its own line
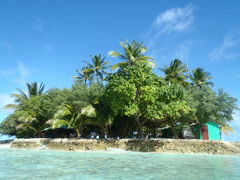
point(116, 54)
point(57, 123)
point(22, 93)
point(11, 106)
point(88, 111)
point(119, 65)
point(227, 129)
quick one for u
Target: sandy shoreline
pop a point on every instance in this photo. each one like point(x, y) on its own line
point(180, 146)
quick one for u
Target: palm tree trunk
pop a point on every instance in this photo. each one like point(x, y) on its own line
point(140, 130)
point(78, 132)
point(39, 134)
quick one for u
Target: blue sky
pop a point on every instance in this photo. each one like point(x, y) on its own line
point(45, 41)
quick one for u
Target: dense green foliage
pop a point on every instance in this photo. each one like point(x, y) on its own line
point(132, 101)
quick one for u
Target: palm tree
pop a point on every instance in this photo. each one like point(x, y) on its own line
point(133, 53)
point(33, 89)
point(68, 116)
point(31, 118)
point(95, 69)
point(176, 72)
point(85, 75)
point(28, 123)
point(200, 78)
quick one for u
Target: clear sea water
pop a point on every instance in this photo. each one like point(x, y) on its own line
point(18, 164)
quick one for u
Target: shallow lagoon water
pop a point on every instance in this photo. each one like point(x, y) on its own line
point(48, 165)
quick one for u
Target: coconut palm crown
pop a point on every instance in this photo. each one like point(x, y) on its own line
point(33, 89)
point(201, 78)
point(176, 72)
point(133, 53)
point(84, 75)
point(96, 69)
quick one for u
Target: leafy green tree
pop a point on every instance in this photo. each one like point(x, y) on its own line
point(225, 107)
point(176, 72)
point(53, 99)
point(133, 99)
point(79, 108)
point(8, 125)
point(204, 101)
point(133, 54)
point(175, 106)
point(133, 91)
point(201, 78)
point(81, 95)
point(211, 106)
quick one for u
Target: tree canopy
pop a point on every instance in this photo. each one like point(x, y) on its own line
point(132, 101)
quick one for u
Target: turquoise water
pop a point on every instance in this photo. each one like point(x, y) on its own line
point(43, 165)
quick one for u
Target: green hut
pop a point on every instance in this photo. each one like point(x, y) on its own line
point(209, 131)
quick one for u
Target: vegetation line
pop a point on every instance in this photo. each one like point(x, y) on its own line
point(132, 101)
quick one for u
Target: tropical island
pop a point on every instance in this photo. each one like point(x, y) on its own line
point(126, 100)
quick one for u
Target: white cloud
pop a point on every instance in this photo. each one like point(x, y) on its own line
point(19, 75)
point(172, 50)
point(173, 20)
point(228, 49)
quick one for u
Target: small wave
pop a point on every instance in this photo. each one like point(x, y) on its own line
point(42, 147)
point(3, 146)
point(115, 150)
